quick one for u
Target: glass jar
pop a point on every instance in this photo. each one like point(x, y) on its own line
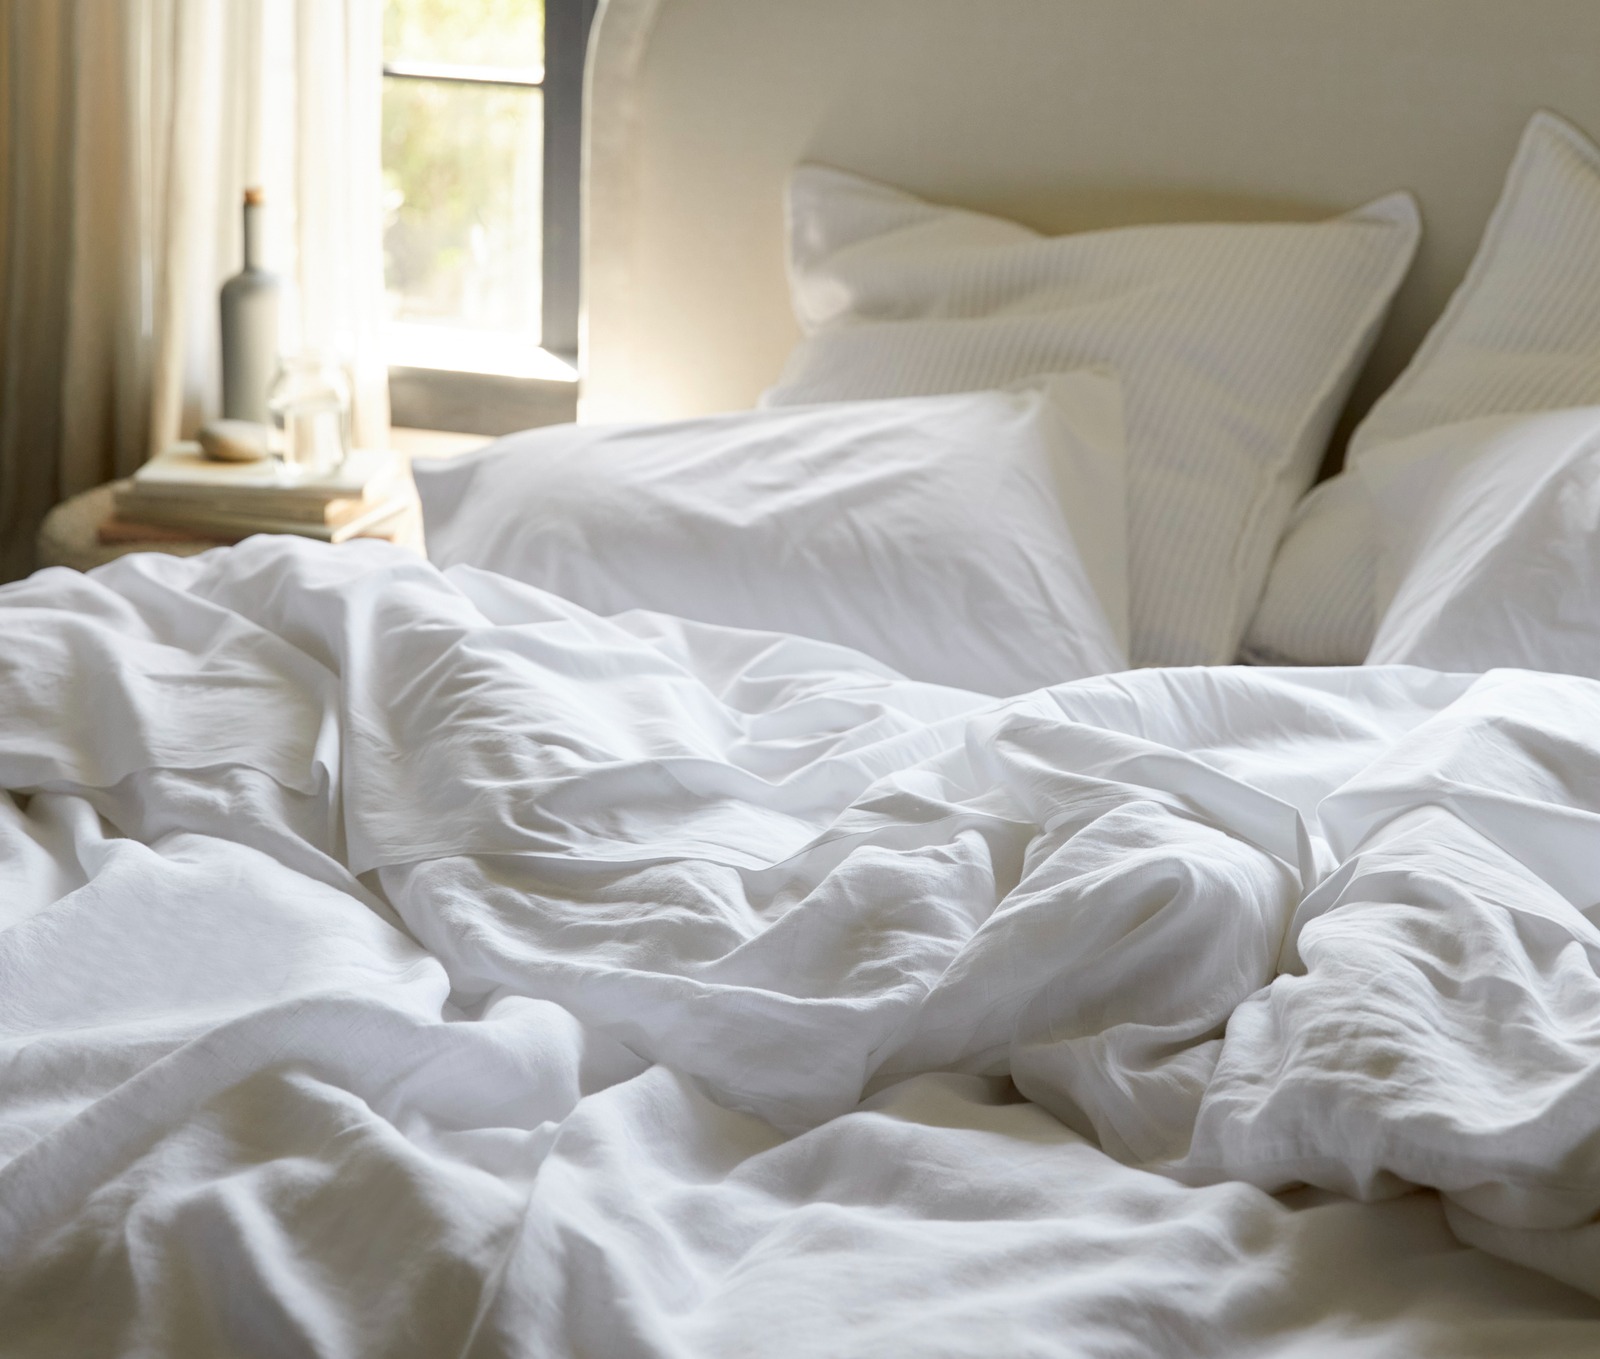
point(310, 406)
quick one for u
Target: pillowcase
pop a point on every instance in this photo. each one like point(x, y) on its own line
point(1318, 607)
point(1236, 346)
point(974, 540)
point(1490, 534)
point(1521, 333)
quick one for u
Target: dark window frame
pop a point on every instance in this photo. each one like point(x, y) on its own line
point(566, 39)
point(490, 404)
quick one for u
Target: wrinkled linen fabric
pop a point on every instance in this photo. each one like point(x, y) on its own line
point(975, 540)
point(406, 963)
point(1487, 530)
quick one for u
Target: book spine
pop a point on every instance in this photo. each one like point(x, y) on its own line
point(114, 532)
point(231, 526)
point(380, 488)
point(137, 503)
point(240, 526)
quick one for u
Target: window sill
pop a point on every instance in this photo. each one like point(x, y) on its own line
point(459, 349)
point(487, 403)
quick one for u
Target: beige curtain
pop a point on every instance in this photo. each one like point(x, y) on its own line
point(130, 130)
point(35, 207)
point(338, 196)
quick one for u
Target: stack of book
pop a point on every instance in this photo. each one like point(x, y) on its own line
point(181, 495)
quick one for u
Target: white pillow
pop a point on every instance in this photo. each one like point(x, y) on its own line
point(1521, 333)
point(935, 534)
point(1318, 606)
point(1490, 535)
point(1236, 345)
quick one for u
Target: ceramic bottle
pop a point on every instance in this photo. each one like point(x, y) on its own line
point(249, 325)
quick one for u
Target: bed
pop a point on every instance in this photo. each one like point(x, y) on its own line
point(596, 941)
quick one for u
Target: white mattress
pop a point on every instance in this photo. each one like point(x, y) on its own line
point(414, 964)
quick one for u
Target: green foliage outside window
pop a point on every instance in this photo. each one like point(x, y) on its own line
point(465, 32)
point(462, 164)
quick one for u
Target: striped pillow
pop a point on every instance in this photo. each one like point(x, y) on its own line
point(1319, 606)
point(1236, 345)
point(1521, 334)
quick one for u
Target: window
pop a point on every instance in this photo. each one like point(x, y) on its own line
point(481, 119)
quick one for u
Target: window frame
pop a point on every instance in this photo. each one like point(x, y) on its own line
point(493, 404)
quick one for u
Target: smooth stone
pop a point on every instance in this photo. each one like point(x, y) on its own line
point(235, 440)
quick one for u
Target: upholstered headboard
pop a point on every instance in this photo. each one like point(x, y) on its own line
point(1064, 114)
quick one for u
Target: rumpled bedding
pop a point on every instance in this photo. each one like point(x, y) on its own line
point(405, 963)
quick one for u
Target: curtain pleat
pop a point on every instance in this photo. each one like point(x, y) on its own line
point(36, 83)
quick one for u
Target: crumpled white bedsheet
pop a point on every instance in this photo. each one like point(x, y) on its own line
point(396, 963)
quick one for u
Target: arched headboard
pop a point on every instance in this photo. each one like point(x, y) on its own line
point(1064, 114)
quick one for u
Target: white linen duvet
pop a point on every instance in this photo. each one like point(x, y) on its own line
point(405, 963)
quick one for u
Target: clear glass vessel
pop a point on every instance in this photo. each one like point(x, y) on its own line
point(310, 407)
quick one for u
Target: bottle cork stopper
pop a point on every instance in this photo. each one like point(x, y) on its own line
point(254, 197)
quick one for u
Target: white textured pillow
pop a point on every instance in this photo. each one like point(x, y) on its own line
point(1521, 333)
point(1491, 544)
point(1318, 606)
point(1236, 345)
point(935, 534)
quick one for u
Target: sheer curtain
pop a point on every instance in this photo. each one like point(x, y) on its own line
point(130, 130)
